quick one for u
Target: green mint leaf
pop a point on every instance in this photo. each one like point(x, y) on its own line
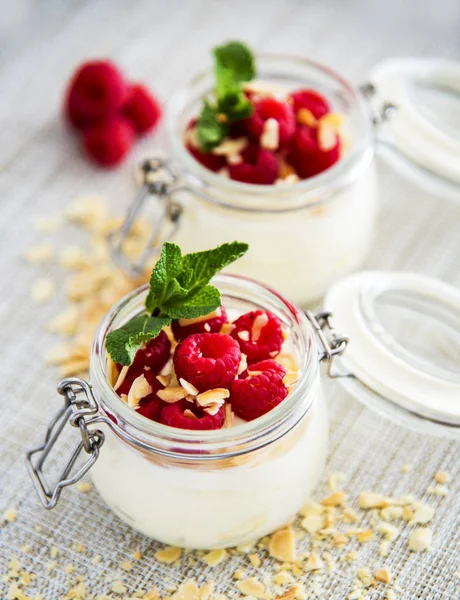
point(163, 282)
point(204, 301)
point(235, 106)
point(123, 343)
point(234, 64)
point(206, 264)
point(210, 130)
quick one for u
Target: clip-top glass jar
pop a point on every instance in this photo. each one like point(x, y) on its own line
point(302, 236)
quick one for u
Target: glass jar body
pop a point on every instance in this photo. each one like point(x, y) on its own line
point(205, 505)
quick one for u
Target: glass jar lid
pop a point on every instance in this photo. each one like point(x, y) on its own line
point(403, 356)
point(423, 135)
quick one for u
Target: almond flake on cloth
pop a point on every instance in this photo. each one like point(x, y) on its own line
point(282, 545)
point(168, 555)
point(215, 557)
point(251, 587)
point(187, 591)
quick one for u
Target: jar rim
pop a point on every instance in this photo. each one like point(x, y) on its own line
point(222, 443)
point(313, 190)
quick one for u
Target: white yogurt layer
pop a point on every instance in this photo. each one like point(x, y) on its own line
point(199, 505)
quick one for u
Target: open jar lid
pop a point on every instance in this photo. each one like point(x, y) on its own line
point(403, 356)
point(423, 135)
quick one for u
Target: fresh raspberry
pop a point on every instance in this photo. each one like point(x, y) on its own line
point(133, 373)
point(210, 326)
point(269, 108)
point(95, 93)
point(313, 101)
point(154, 355)
point(173, 415)
point(141, 108)
point(270, 336)
point(207, 360)
point(306, 156)
point(259, 166)
point(251, 396)
point(207, 159)
point(109, 142)
point(151, 407)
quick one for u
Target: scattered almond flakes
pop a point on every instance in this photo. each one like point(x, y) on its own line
point(140, 388)
point(420, 539)
point(10, 515)
point(334, 499)
point(151, 594)
point(340, 539)
point(314, 562)
point(365, 536)
point(137, 555)
point(84, 487)
point(365, 576)
point(69, 569)
point(251, 587)
point(335, 480)
point(168, 555)
point(255, 561)
point(442, 477)
point(383, 575)
point(326, 134)
point(42, 289)
point(215, 557)
point(270, 137)
point(392, 513)
point(172, 394)
point(282, 545)
point(39, 254)
point(349, 515)
point(118, 588)
point(187, 591)
point(371, 500)
point(438, 490)
point(306, 117)
point(126, 566)
point(212, 396)
point(188, 387)
point(389, 532)
point(422, 513)
point(238, 574)
point(313, 523)
point(206, 590)
point(288, 594)
point(73, 258)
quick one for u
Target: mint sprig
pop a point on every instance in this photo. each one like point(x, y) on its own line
point(179, 289)
point(233, 65)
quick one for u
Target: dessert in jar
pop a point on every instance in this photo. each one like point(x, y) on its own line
point(213, 425)
point(276, 151)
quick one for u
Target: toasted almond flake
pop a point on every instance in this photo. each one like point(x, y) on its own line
point(291, 378)
point(243, 364)
point(314, 562)
point(334, 499)
point(288, 594)
point(140, 388)
point(48, 224)
point(230, 147)
point(188, 387)
point(212, 396)
point(442, 477)
point(270, 138)
point(190, 415)
point(168, 555)
point(306, 117)
point(287, 361)
point(439, 490)
point(335, 120)
point(340, 538)
point(187, 322)
point(407, 513)
point(259, 323)
point(39, 254)
point(51, 566)
point(422, 513)
point(390, 595)
point(365, 576)
point(238, 574)
point(118, 588)
point(137, 555)
point(383, 575)
point(213, 409)
point(121, 377)
point(243, 335)
point(69, 569)
point(14, 564)
point(251, 587)
point(282, 545)
point(335, 480)
point(406, 468)
point(365, 536)
point(42, 289)
point(164, 379)
point(255, 561)
point(172, 393)
point(392, 513)
point(371, 500)
point(215, 557)
point(151, 594)
point(206, 590)
point(420, 539)
point(389, 532)
point(10, 515)
point(312, 508)
point(126, 566)
point(354, 595)
point(187, 591)
point(227, 328)
point(313, 523)
point(349, 515)
point(327, 136)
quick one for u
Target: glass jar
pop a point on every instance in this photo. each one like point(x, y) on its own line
point(209, 489)
point(302, 236)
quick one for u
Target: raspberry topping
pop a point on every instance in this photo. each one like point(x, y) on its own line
point(269, 108)
point(185, 415)
point(306, 156)
point(212, 325)
point(259, 166)
point(258, 390)
point(207, 360)
point(141, 108)
point(154, 355)
point(109, 142)
point(132, 374)
point(210, 161)
point(151, 407)
point(259, 335)
point(311, 100)
point(95, 93)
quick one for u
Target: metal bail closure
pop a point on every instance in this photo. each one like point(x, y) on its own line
point(379, 112)
point(332, 343)
point(80, 408)
point(159, 183)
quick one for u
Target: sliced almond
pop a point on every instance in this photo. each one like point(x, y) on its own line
point(340, 539)
point(167, 369)
point(190, 415)
point(243, 335)
point(313, 523)
point(227, 328)
point(383, 575)
point(243, 364)
point(288, 594)
point(188, 387)
point(270, 138)
point(314, 562)
point(389, 532)
point(39, 254)
point(422, 514)
point(212, 396)
point(230, 147)
point(365, 536)
point(187, 322)
point(371, 500)
point(442, 477)
point(187, 591)
point(121, 377)
point(168, 555)
point(327, 136)
point(349, 515)
point(282, 545)
point(172, 394)
point(335, 120)
point(251, 587)
point(140, 388)
point(165, 380)
point(213, 409)
point(215, 557)
point(259, 323)
point(291, 378)
point(334, 499)
point(420, 539)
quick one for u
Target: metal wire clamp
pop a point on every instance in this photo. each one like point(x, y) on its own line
point(332, 344)
point(79, 407)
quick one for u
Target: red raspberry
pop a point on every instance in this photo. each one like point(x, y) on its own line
point(210, 326)
point(269, 108)
point(270, 336)
point(154, 355)
point(151, 407)
point(313, 101)
point(108, 143)
point(207, 360)
point(208, 160)
point(173, 415)
point(306, 156)
point(141, 108)
point(95, 93)
point(259, 166)
point(251, 396)
point(133, 373)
